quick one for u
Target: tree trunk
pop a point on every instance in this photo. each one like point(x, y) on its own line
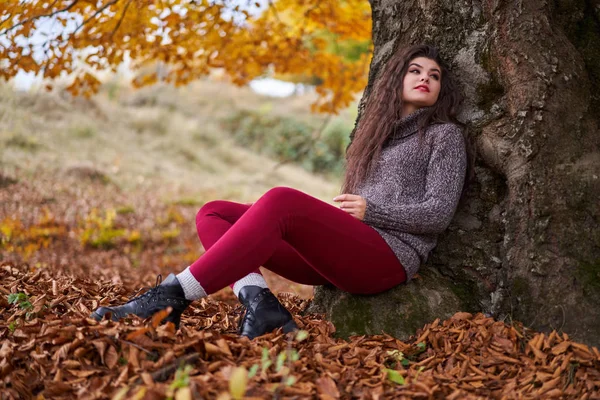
point(525, 243)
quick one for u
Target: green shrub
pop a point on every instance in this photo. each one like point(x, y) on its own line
point(290, 140)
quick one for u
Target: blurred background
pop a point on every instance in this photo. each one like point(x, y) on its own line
point(118, 123)
point(114, 180)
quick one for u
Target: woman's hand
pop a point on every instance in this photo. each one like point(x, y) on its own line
point(352, 204)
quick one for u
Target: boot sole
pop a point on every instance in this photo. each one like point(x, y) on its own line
point(174, 318)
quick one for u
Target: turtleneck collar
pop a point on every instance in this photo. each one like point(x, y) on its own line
point(409, 124)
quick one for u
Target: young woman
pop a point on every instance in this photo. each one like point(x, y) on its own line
point(405, 172)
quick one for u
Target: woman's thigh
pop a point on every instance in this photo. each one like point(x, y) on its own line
point(342, 249)
point(318, 242)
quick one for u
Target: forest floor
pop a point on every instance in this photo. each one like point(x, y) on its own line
point(90, 212)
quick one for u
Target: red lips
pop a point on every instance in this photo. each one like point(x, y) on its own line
point(422, 88)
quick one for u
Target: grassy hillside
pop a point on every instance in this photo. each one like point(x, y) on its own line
point(170, 137)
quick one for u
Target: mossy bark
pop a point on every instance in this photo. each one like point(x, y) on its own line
point(398, 312)
point(525, 242)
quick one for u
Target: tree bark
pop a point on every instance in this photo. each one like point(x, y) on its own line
point(525, 243)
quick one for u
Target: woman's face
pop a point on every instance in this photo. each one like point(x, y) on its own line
point(422, 84)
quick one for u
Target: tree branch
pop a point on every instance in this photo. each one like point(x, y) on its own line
point(120, 19)
point(104, 7)
point(272, 7)
point(165, 372)
point(67, 8)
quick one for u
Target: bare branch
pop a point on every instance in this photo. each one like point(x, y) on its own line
point(272, 7)
point(98, 11)
point(121, 19)
point(165, 372)
point(134, 345)
point(51, 14)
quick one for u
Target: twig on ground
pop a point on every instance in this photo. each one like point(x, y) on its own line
point(165, 372)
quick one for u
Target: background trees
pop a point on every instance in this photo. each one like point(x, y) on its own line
point(324, 42)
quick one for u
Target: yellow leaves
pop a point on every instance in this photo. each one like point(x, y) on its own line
point(84, 85)
point(238, 381)
point(26, 241)
point(286, 37)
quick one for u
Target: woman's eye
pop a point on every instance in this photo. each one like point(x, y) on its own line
point(436, 77)
point(415, 70)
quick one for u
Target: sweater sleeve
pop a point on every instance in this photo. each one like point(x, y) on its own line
point(443, 187)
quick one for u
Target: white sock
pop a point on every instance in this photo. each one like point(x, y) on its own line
point(191, 287)
point(252, 279)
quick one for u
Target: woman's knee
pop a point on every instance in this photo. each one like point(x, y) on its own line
point(209, 209)
point(282, 194)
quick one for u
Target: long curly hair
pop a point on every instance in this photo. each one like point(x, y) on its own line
point(384, 107)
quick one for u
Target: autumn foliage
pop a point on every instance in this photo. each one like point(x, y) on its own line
point(327, 42)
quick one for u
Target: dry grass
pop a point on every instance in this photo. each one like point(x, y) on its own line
point(159, 136)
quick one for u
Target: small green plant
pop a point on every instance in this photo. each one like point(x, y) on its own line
point(253, 370)
point(397, 357)
point(265, 361)
point(13, 326)
point(21, 299)
point(421, 368)
point(180, 381)
point(286, 356)
point(301, 335)
point(395, 376)
point(290, 380)
point(182, 377)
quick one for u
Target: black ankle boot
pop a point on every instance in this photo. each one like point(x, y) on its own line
point(264, 313)
point(169, 293)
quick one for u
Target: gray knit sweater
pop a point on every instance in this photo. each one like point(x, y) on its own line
point(415, 187)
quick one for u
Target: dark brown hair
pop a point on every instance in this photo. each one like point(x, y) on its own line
point(384, 107)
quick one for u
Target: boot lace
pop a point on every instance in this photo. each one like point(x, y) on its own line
point(150, 293)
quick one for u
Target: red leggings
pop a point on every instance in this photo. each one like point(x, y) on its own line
point(296, 236)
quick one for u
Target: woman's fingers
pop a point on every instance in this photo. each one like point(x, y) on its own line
point(346, 197)
point(344, 205)
point(352, 204)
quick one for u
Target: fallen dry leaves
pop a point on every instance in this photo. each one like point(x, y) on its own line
point(60, 352)
point(51, 349)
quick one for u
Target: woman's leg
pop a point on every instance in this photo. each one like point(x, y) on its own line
point(216, 217)
point(343, 250)
point(295, 235)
